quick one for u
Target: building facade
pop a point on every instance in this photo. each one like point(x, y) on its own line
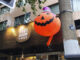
point(12, 17)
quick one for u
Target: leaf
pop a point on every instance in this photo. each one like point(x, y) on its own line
point(20, 3)
point(24, 10)
point(40, 7)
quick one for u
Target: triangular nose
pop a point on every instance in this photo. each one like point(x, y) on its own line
point(42, 18)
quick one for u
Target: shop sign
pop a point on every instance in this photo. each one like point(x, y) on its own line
point(23, 34)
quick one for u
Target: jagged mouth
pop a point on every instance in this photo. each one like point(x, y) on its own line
point(44, 24)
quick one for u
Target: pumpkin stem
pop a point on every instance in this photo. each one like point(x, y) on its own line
point(49, 40)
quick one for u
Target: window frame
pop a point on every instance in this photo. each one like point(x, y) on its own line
point(3, 27)
point(3, 8)
point(77, 24)
point(17, 19)
point(54, 5)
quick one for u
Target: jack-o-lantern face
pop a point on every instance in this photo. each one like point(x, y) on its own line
point(44, 19)
point(46, 24)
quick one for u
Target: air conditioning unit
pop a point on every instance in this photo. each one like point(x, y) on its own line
point(8, 3)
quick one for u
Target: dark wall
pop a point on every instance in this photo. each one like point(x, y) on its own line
point(53, 57)
point(35, 43)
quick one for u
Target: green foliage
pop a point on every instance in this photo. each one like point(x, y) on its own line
point(24, 9)
point(22, 3)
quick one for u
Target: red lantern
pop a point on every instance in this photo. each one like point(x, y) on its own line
point(47, 25)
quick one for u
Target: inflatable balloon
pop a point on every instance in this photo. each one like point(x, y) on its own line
point(46, 24)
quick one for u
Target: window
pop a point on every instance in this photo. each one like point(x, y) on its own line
point(55, 8)
point(23, 19)
point(75, 5)
point(3, 25)
point(4, 10)
point(77, 24)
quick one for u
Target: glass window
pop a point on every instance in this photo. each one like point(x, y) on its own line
point(4, 10)
point(55, 8)
point(75, 5)
point(77, 24)
point(23, 19)
point(3, 25)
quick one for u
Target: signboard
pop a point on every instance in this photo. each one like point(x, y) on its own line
point(23, 33)
point(8, 3)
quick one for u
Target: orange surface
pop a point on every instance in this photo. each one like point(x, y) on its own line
point(49, 29)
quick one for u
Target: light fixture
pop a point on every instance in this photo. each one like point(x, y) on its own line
point(11, 31)
point(21, 28)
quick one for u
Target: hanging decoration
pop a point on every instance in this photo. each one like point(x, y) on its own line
point(47, 24)
point(32, 3)
point(47, 9)
point(23, 3)
point(8, 3)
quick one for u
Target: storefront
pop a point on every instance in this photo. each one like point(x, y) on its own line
point(19, 39)
point(22, 40)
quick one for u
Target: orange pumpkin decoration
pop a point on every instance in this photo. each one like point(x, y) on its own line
point(47, 25)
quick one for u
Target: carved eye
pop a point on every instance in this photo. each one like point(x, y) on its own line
point(42, 18)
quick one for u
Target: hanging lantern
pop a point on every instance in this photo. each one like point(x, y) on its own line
point(46, 24)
